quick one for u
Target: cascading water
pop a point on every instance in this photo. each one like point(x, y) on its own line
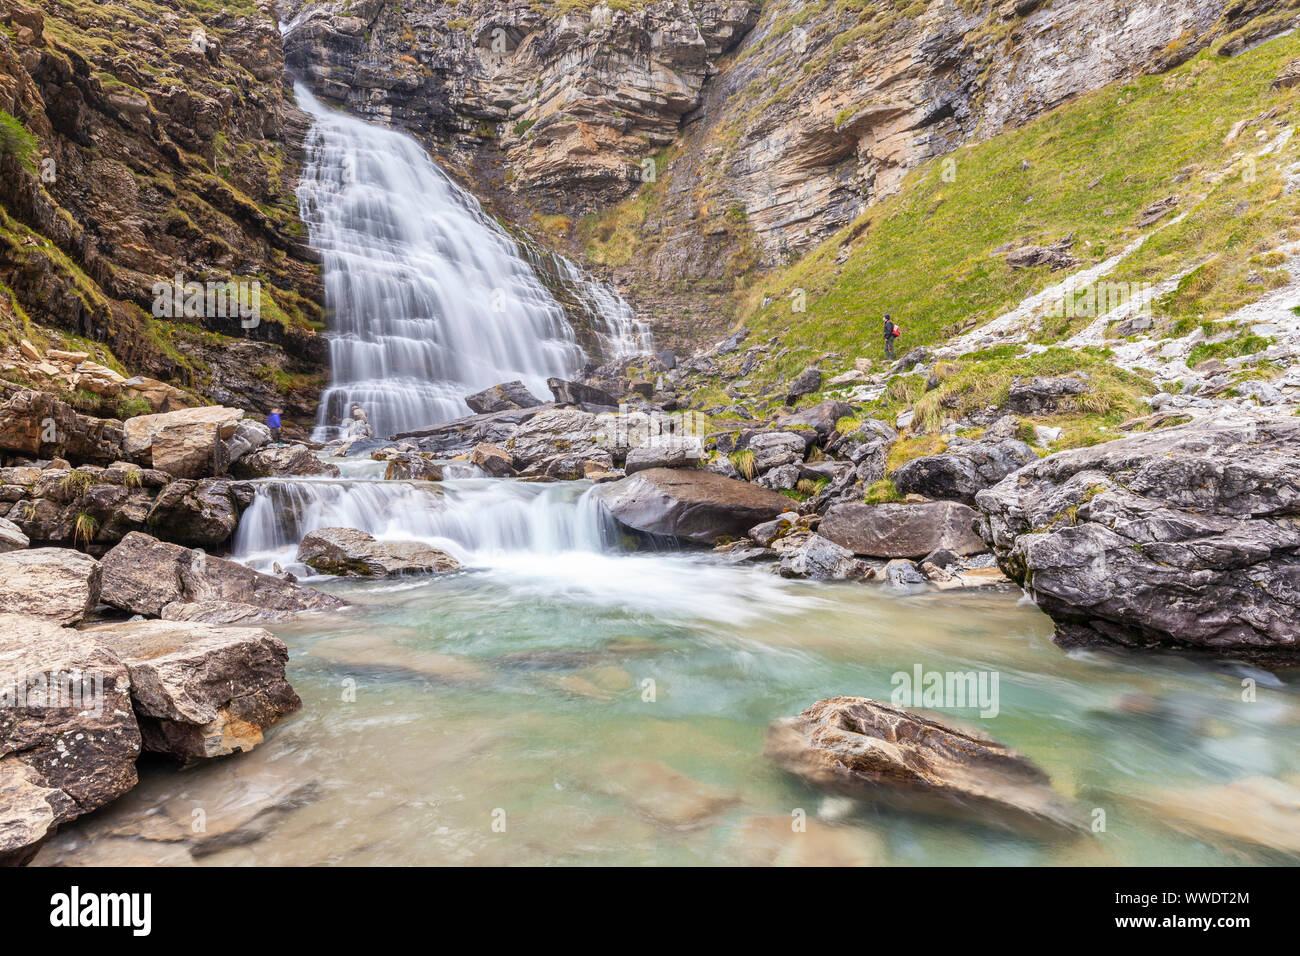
point(430, 299)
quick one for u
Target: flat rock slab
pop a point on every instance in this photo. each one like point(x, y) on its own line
point(202, 690)
point(68, 736)
point(691, 505)
point(59, 585)
point(870, 750)
point(663, 795)
point(903, 531)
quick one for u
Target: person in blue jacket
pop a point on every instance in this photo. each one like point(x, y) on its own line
point(273, 423)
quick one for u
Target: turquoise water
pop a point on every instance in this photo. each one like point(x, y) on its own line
point(503, 716)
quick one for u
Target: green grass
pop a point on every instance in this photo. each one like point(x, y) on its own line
point(1230, 348)
point(17, 142)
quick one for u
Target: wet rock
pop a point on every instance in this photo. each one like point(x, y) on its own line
point(199, 514)
point(775, 841)
point(1186, 537)
point(282, 461)
point(661, 794)
point(347, 552)
point(818, 558)
point(11, 537)
point(366, 653)
point(142, 575)
point(1263, 812)
point(499, 398)
point(1043, 395)
point(58, 585)
point(692, 505)
point(963, 470)
point(68, 736)
point(870, 750)
point(493, 459)
point(903, 530)
point(201, 690)
point(412, 467)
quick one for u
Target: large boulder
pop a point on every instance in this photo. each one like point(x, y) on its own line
point(189, 449)
point(666, 451)
point(142, 430)
point(821, 559)
point(59, 585)
point(143, 575)
point(1185, 538)
point(692, 505)
point(558, 431)
point(248, 437)
point(283, 461)
point(579, 393)
point(963, 470)
point(500, 398)
point(902, 531)
point(775, 448)
point(866, 749)
point(201, 690)
point(199, 514)
point(1043, 395)
point(821, 418)
point(347, 552)
point(68, 736)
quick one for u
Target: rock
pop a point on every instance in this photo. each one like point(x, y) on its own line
point(962, 470)
point(499, 398)
point(554, 432)
point(1157, 211)
point(142, 431)
point(189, 450)
point(692, 505)
point(200, 690)
point(68, 736)
point(493, 459)
point(370, 652)
point(773, 449)
point(821, 559)
point(569, 466)
point(142, 575)
point(942, 558)
point(807, 382)
point(873, 751)
point(665, 452)
point(283, 461)
point(781, 478)
point(766, 533)
point(347, 552)
point(642, 387)
point(11, 537)
point(902, 575)
point(198, 514)
point(249, 436)
point(902, 531)
point(223, 612)
point(1186, 537)
point(39, 425)
point(1261, 811)
point(821, 418)
point(411, 467)
point(661, 794)
point(1056, 256)
point(773, 841)
point(1045, 395)
point(58, 585)
point(577, 393)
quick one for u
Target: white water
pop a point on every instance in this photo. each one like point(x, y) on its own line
point(430, 300)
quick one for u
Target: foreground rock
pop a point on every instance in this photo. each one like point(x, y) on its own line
point(68, 736)
point(692, 505)
point(52, 584)
point(963, 470)
point(347, 552)
point(902, 531)
point(1183, 538)
point(143, 575)
point(867, 749)
point(201, 690)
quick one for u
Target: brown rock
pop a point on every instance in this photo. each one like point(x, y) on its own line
point(902, 531)
point(59, 585)
point(694, 505)
point(347, 552)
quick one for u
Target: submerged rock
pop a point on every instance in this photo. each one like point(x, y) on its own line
point(53, 584)
point(661, 794)
point(692, 505)
point(1183, 538)
point(867, 749)
point(902, 531)
point(347, 552)
point(201, 690)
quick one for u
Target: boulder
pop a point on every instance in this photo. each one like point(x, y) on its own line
point(873, 751)
point(568, 466)
point(201, 690)
point(283, 461)
point(1056, 256)
point(555, 432)
point(578, 393)
point(347, 552)
point(902, 531)
point(493, 459)
point(58, 585)
point(665, 451)
point(816, 557)
point(963, 470)
point(68, 736)
point(411, 467)
point(1044, 395)
point(805, 383)
point(11, 537)
point(143, 575)
point(780, 478)
point(1187, 538)
point(198, 514)
point(248, 436)
point(189, 450)
point(821, 418)
point(693, 505)
point(499, 398)
point(775, 448)
point(143, 430)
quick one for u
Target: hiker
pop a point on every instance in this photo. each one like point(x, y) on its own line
point(892, 332)
point(273, 423)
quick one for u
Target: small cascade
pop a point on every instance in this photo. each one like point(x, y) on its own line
point(478, 520)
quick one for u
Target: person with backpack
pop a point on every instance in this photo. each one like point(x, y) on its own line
point(892, 332)
point(273, 423)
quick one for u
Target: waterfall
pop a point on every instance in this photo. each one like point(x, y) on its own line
point(429, 298)
point(476, 519)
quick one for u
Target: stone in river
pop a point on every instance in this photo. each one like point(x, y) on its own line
point(661, 794)
point(693, 505)
point(774, 841)
point(347, 552)
point(902, 531)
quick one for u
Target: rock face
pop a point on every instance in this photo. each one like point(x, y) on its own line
point(39, 425)
point(1183, 538)
point(51, 584)
point(143, 575)
point(693, 505)
point(347, 552)
point(962, 471)
point(867, 749)
point(902, 531)
point(68, 736)
point(200, 690)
